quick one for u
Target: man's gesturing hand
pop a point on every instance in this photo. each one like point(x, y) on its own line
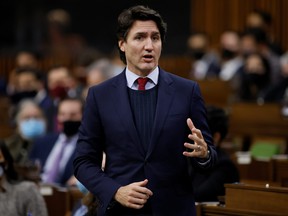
point(134, 195)
point(199, 147)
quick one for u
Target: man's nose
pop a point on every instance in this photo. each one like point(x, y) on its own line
point(149, 44)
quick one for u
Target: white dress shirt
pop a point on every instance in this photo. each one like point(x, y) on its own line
point(68, 151)
point(132, 77)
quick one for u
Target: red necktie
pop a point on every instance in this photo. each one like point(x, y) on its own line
point(142, 82)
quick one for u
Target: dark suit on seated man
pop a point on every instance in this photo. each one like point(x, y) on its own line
point(56, 151)
point(146, 131)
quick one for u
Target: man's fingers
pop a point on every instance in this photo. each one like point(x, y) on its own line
point(142, 183)
point(141, 187)
point(190, 124)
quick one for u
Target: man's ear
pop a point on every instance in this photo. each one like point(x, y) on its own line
point(121, 45)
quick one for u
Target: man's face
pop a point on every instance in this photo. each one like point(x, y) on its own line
point(142, 47)
point(27, 82)
point(58, 77)
point(69, 110)
point(248, 44)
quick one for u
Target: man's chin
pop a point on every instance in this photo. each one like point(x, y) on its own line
point(148, 67)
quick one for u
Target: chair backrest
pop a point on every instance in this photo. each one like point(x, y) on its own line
point(265, 150)
point(57, 199)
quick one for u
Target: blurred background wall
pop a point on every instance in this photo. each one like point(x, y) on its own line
point(214, 17)
point(24, 22)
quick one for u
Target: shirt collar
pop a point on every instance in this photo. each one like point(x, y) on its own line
point(132, 77)
point(63, 137)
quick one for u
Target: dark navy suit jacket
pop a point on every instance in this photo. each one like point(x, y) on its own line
point(41, 150)
point(108, 126)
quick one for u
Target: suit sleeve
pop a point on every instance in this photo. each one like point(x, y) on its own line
point(89, 151)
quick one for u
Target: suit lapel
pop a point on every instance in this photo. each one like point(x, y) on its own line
point(164, 100)
point(123, 109)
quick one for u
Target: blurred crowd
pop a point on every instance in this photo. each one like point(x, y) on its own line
point(45, 112)
point(252, 61)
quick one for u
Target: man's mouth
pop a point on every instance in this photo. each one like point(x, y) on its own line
point(148, 57)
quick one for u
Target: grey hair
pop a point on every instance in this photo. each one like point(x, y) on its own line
point(26, 103)
point(104, 65)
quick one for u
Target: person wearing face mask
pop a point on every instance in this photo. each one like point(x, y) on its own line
point(205, 63)
point(17, 197)
point(231, 61)
point(30, 124)
point(61, 84)
point(55, 151)
point(255, 79)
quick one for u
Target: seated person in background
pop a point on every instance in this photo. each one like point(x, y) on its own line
point(208, 185)
point(231, 60)
point(255, 78)
point(96, 73)
point(254, 40)
point(261, 19)
point(30, 124)
point(56, 151)
point(17, 198)
point(30, 85)
point(205, 62)
point(60, 84)
point(279, 92)
point(23, 59)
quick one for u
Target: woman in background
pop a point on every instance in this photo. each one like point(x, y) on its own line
point(17, 197)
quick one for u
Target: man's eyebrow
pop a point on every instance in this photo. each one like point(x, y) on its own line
point(145, 32)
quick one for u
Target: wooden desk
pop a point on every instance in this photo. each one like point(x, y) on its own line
point(257, 198)
point(256, 170)
point(216, 92)
point(224, 211)
point(280, 171)
point(252, 119)
point(57, 200)
point(249, 200)
point(179, 65)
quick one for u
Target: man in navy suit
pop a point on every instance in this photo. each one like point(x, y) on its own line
point(154, 135)
point(56, 151)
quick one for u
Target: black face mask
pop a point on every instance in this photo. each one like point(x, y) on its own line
point(259, 80)
point(228, 54)
point(17, 97)
point(70, 128)
point(197, 54)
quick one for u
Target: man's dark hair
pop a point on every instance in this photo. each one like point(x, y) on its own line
point(265, 16)
point(35, 72)
point(217, 121)
point(258, 34)
point(132, 14)
point(73, 99)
